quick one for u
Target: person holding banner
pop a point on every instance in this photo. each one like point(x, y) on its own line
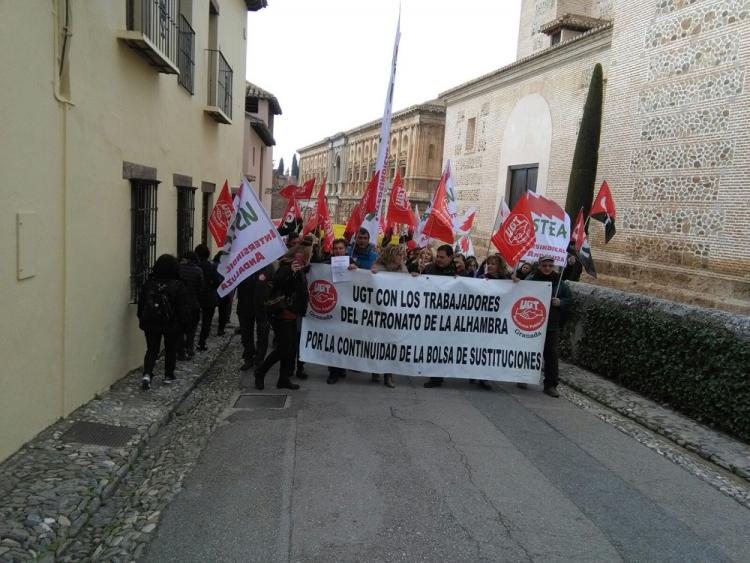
point(287, 303)
point(362, 253)
point(391, 259)
point(338, 249)
point(442, 266)
point(561, 300)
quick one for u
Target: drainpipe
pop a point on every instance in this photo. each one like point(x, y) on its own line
point(61, 50)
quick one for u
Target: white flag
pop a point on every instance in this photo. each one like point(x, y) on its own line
point(372, 221)
point(252, 241)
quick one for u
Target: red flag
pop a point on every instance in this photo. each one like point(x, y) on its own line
point(322, 219)
point(516, 237)
point(399, 208)
point(221, 215)
point(579, 234)
point(367, 204)
point(439, 224)
point(604, 211)
point(298, 192)
point(315, 219)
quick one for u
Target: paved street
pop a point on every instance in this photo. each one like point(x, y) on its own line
point(358, 472)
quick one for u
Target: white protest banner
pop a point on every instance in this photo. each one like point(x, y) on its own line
point(426, 326)
point(252, 241)
point(552, 227)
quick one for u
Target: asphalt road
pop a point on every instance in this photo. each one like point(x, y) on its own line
point(358, 472)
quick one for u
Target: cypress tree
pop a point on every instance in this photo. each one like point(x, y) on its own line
point(586, 156)
point(280, 169)
point(295, 166)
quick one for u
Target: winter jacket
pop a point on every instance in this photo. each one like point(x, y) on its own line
point(556, 314)
point(378, 267)
point(211, 282)
point(434, 270)
point(253, 293)
point(178, 300)
point(363, 260)
point(294, 286)
point(192, 275)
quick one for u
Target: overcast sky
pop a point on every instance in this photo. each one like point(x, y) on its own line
point(328, 61)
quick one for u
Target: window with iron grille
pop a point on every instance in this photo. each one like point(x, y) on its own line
point(206, 212)
point(186, 55)
point(142, 233)
point(185, 211)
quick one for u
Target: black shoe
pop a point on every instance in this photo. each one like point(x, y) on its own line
point(552, 391)
point(259, 384)
point(146, 382)
point(431, 383)
point(169, 379)
point(375, 378)
point(484, 385)
point(301, 374)
point(287, 385)
point(332, 379)
point(522, 385)
point(246, 365)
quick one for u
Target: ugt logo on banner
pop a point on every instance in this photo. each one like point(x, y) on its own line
point(529, 314)
point(323, 296)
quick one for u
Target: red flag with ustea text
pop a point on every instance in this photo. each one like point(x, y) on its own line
point(298, 192)
point(516, 236)
point(439, 224)
point(221, 215)
point(604, 211)
point(399, 208)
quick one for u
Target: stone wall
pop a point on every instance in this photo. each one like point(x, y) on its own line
point(675, 145)
point(561, 77)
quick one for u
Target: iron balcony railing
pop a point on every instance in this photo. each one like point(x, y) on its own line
point(186, 55)
point(157, 21)
point(219, 82)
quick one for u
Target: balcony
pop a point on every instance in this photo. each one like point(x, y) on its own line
point(219, 87)
point(152, 31)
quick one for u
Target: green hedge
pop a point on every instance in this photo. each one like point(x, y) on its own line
point(670, 353)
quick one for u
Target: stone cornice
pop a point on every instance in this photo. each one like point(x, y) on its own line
point(595, 40)
point(435, 108)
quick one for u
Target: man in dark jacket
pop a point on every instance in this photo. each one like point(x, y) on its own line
point(441, 266)
point(162, 311)
point(251, 311)
point(561, 300)
point(192, 276)
point(208, 297)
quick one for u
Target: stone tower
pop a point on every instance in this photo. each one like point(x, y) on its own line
point(548, 22)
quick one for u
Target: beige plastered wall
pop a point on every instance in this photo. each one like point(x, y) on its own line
point(70, 331)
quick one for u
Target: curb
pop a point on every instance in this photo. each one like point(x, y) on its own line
point(711, 445)
point(50, 488)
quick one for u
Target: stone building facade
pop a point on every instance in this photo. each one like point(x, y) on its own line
point(347, 159)
point(675, 144)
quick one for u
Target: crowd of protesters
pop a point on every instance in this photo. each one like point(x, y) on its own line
point(181, 295)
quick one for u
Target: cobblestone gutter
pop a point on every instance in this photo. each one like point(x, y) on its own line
point(50, 488)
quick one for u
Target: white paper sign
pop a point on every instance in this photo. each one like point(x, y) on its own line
point(426, 325)
point(340, 269)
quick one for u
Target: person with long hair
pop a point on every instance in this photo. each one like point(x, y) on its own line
point(391, 259)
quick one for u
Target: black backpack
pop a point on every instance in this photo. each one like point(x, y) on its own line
point(157, 309)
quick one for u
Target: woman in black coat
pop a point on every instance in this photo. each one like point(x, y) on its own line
point(290, 282)
point(163, 312)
